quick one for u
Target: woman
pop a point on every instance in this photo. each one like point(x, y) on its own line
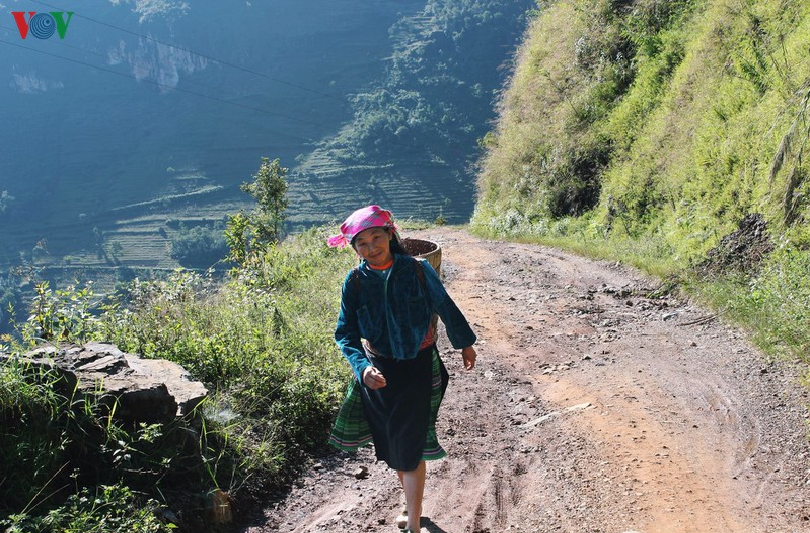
point(385, 331)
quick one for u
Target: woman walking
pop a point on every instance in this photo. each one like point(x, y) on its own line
point(385, 330)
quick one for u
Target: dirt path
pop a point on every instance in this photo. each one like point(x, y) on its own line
point(593, 408)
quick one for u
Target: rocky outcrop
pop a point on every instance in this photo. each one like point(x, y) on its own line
point(741, 251)
point(132, 388)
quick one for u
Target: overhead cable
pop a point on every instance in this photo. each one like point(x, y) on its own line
point(200, 54)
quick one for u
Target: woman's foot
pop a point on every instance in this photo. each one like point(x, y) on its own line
point(402, 519)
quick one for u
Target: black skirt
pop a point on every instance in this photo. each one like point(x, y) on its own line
point(402, 415)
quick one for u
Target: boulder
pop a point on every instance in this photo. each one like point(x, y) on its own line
point(133, 388)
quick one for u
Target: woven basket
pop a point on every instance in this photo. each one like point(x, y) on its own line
point(432, 253)
point(427, 250)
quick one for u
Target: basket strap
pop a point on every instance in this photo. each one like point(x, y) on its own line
point(420, 275)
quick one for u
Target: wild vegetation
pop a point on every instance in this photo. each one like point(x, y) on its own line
point(198, 246)
point(649, 129)
point(260, 339)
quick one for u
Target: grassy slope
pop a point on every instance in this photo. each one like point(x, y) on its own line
point(262, 341)
point(647, 130)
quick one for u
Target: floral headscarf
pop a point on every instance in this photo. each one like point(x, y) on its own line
point(372, 216)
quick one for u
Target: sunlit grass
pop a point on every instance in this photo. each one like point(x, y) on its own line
point(693, 116)
point(262, 342)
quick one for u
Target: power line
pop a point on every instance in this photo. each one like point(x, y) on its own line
point(200, 54)
point(164, 85)
point(187, 91)
point(106, 57)
point(211, 58)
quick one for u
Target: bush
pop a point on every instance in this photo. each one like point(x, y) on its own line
point(106, 509)
point(262, 340)
point(199, 247)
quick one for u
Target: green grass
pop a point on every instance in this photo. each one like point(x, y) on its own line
point(665, 118)
point(261, 340)
point(774, 304)
point(113, 509)
point(647, 134)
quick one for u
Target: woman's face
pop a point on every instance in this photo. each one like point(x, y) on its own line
point(373, 245)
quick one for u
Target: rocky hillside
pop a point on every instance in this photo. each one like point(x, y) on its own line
point(414, 136)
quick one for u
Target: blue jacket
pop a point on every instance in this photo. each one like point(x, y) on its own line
point(393, 314)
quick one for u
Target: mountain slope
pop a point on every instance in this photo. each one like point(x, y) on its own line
point(150, 114)
point(664, 120)
point(413, 137)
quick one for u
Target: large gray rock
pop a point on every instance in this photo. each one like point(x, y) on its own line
point(141, 390)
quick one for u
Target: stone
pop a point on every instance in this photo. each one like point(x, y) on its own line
point(139, 390)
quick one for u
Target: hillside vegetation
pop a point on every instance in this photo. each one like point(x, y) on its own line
point(261, 341)
point(648, 130)
point(412, 139)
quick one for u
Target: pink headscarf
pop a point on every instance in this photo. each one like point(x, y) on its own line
point(372, 216)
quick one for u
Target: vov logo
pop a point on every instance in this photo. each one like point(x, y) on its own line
point(42, 25)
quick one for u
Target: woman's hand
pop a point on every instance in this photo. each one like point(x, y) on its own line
point(468, 355)
point(373, 378)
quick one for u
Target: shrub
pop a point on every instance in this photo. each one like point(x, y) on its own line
point(262, 340)
point(199, 247)
point(105, 509)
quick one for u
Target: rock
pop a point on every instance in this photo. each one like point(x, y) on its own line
point(140, 390)
point(361, 472)
point(741, 251)
point(166, 515)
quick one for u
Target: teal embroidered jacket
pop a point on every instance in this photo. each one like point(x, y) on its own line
point(394, 313)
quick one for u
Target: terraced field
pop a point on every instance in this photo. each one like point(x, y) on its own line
point(134, 236)
point(112, 199)
point(327, 190)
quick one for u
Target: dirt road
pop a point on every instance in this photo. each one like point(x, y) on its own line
point(593, 408)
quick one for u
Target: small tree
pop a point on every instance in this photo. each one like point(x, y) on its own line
point(199, 247)
point(239, 236)
point(269, 188)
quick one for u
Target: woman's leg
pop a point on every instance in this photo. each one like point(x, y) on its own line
point(413, 484)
